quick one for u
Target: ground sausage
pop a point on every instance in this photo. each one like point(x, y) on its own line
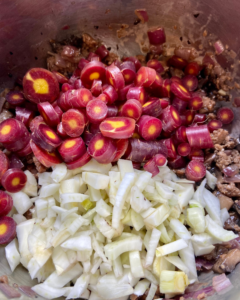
point(225, 202)
point(219, 136)
point(229, 189)
point(208, 105)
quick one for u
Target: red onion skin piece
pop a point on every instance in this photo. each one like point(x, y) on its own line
point(112, 111)
point(114, 77)
point(9, 291)
point(225, 115)
point(219, 48)
point(221, 284)
point(142, 15)
point(235, 178)
point(128, 70)
point(177, 163)
point(179, 104)
point(142, 151)
point(170, 119)
point(156, 36)
point(149, 127)
point(83, 160)
point(9, 177)
point(102, 148)
point(102, 52)
point(151, 167)
point(195, 170)
point(96, 110)
point(214, 125)
point(231, 170)
point(199, 137)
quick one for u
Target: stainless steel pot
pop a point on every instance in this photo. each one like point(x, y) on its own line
point(26, 26)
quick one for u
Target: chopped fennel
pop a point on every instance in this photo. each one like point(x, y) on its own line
point(100, 227)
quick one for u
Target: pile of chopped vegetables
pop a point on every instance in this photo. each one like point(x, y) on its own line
point(104, 214)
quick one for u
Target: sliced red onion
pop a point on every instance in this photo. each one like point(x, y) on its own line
point(199, 137)
point(235, 178)
point(142, 151)
point(102, 51)
point(9, 291)
point(202, 263)
point(156, 36)
point(142, 15)
point(208, 291)
point(151, 167)
point(218, 45)
point(231, 170)
point(221, 284)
